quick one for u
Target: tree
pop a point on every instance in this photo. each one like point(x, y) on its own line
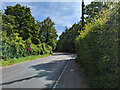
point(67, 38)
point(8, 24)
point(24, 21)
point(93, 9)
point(48, 33)
point(18, 28)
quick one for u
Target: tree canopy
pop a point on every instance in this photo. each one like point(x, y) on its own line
point(20, 27)
point(24, 21)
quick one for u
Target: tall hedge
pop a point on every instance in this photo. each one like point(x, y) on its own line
point(97, 49)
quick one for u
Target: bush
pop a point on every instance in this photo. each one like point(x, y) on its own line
point(12, 47)
point(97, 50)
point(46, 49)
point(34, 49)
point(15, 47)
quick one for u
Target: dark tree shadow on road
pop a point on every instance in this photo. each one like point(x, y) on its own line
point(50, 70)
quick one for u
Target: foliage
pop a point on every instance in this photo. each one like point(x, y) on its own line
point(12, 46)
point(23, 20)
point(92, 10)
point(48, 33)
point(97, 49)
point(67, 38)
point(19, 28)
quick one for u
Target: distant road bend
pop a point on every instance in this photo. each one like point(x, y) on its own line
point(56, 71)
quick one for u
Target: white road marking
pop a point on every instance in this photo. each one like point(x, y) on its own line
point(56, 82)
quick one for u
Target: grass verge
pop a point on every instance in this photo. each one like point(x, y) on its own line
point(19, 60)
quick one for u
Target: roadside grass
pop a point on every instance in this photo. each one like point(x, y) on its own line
point(19, 60)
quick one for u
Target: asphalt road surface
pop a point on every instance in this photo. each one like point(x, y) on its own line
point(56, 71)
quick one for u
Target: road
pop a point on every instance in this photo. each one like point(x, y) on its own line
point(56, 71)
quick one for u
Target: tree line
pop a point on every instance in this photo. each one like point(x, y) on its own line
point(67, 38)
point(97, 44)
point(19, 27)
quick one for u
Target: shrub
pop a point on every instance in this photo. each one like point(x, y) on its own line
point(46, 49)
point(97, 50)
point(15, 47)
point(12, 47)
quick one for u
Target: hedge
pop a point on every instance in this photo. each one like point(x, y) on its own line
point(97, 49)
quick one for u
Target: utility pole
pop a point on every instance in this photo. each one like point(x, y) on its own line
point(82, 14)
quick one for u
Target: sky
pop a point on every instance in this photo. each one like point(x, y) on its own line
point(63, 14)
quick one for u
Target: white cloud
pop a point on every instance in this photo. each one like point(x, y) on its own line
point(63, 14)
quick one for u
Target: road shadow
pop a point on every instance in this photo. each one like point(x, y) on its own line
point(49, 70)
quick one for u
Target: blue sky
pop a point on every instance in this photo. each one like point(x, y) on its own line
point(63, 14)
